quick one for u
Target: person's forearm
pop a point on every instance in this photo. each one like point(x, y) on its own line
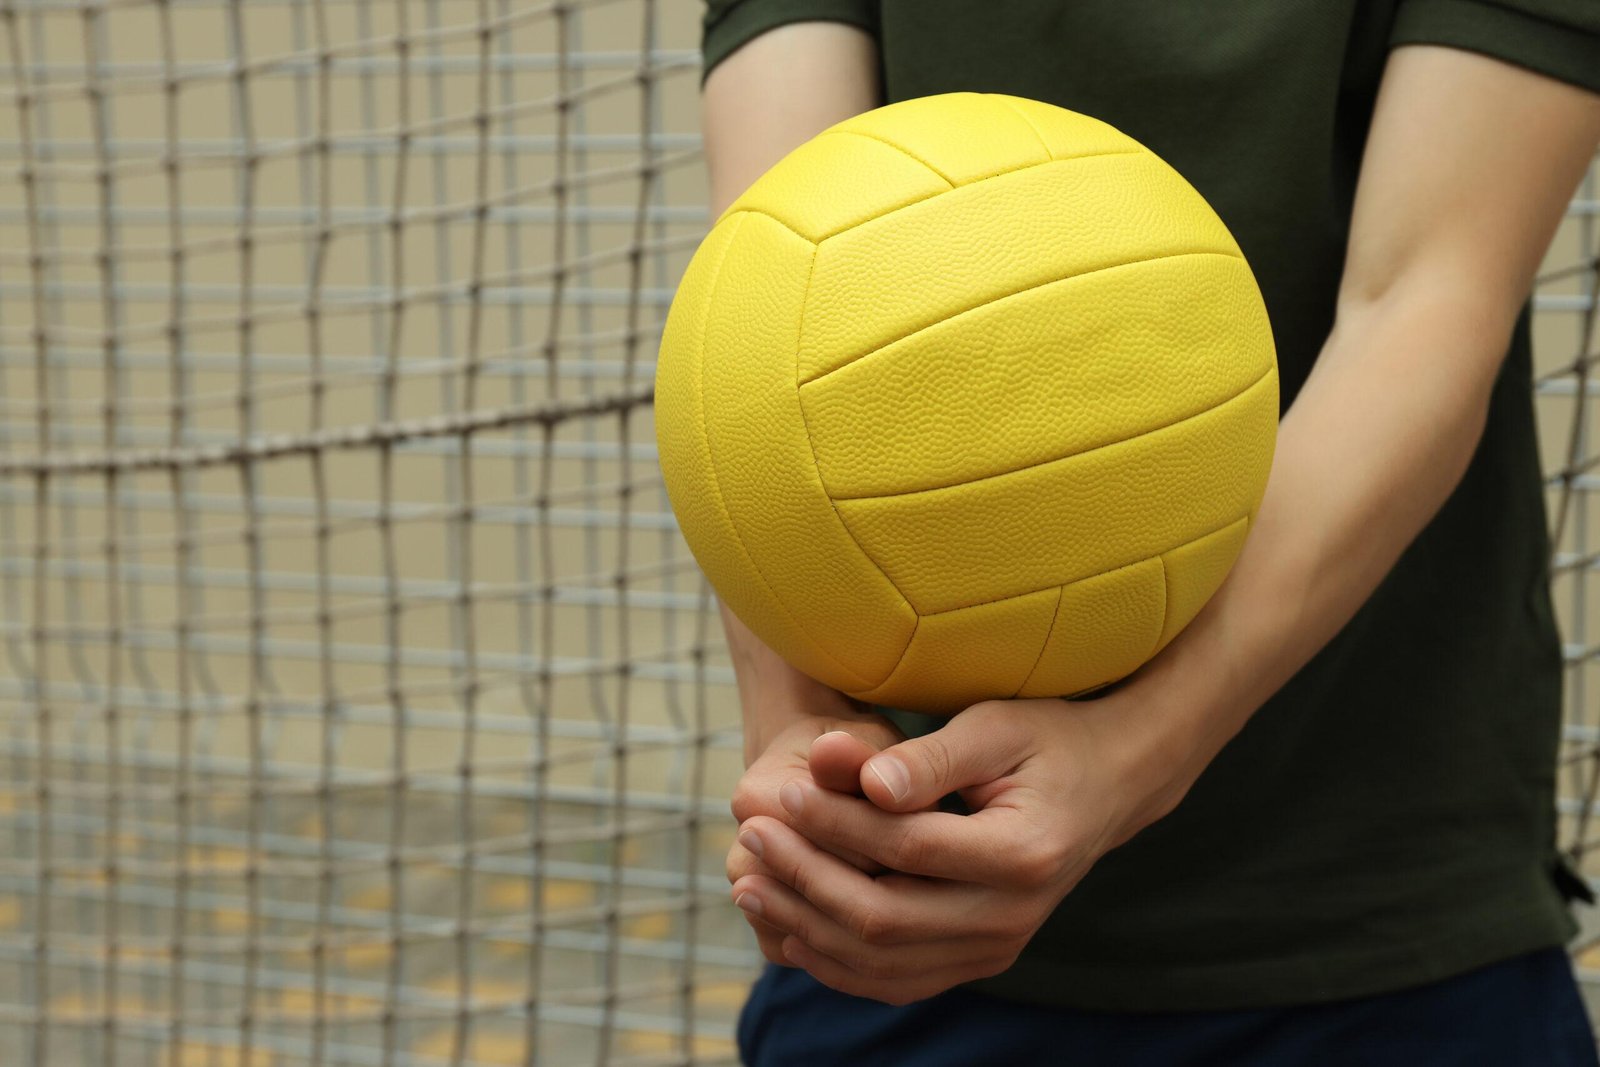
point(1442, 254)
point(772, 694)
point(770, 96)
point(1369, 451)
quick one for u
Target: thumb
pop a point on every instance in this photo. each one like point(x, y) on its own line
point(836, 758)
point(973, 748)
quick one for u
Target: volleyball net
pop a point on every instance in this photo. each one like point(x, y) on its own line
point(359, 700)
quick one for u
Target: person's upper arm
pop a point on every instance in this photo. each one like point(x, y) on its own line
point(1486, 117)
point(778, 72)
point(1468, 168)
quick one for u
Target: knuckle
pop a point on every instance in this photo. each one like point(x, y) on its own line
point(870, 924)
point(1013, 927)
point(1038, 864)
point(878, 969)
point(935, 756)
point(744, 802)
point(912, 849)
point(741, 863)
point(824, 818)
point(772, 949)
point(993, 708)
point(798, 878)
point(804, 930)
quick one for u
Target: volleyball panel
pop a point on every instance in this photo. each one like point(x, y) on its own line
point(1195, 571)
point(835, 181)
point(957, 658)
point(1055, 370)
point(972, 136)
point(812, 576)
point(1104, 628)
point(1066, 520)
point(1067, 133)
point(680, 438)
point(905, 271)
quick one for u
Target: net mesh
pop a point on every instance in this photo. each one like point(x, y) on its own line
point(1566, 331)
point(359, 701)
point(356, 691)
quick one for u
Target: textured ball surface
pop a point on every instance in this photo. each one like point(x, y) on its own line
point(968, 397)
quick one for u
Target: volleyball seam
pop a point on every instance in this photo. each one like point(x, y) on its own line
point(811, 449)
point(1218, 406)
point(716, 484)
point(921, 199)
point(1049, 631)
point(903, 150)
point(1026, 121)
point(1193, 253)
point(1185, 543)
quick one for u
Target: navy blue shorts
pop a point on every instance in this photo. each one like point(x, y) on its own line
point(1523, 1012)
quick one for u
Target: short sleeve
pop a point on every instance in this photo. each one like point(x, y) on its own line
point(727, 24)
point(1559, 38)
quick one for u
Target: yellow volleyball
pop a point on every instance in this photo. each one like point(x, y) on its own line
point(968, 397)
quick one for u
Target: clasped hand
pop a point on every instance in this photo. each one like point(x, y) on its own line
point(845, 867)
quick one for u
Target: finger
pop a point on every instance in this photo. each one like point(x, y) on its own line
point(887, 910)
point(988, 847)
point(769, 939)
point(742, 862)
point(865, 864)
point(896, 991)
point(835, 760)
point(975, 747)
point(780, 907)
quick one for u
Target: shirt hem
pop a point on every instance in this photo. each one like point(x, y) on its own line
point(722, 32)
point(1567, 53)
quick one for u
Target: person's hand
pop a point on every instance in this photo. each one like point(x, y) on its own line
point(1053, 785)
point(827, 752)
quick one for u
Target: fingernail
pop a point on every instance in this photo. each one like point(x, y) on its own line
point(791, 798)
point(893, 774)
point(751, 841)
point(819, 737)
point(749, 902)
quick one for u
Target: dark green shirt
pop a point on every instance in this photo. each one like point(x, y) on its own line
point(1387, 819)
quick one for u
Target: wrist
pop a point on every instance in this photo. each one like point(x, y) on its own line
point(792, 700)
point(1151, 753)
point(1168, 726)
point(1178, 711)
point(773, 694)
point(763, 731)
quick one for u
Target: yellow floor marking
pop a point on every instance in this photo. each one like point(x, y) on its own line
point(499, 1050)
point(652, 925)
point(514, 894)
point(372, 898)
point(731, 995)
point(663, 1043)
